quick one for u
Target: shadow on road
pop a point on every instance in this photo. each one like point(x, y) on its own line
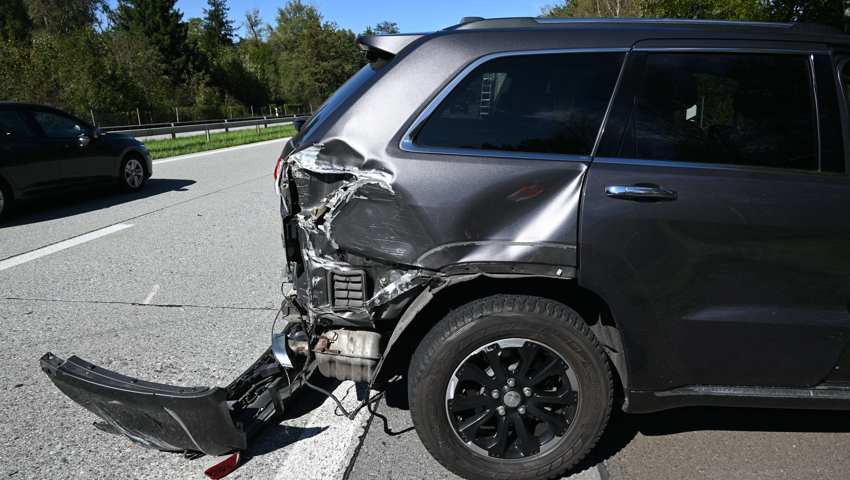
point(63, 205)
point(623, 428)
point(274, 437)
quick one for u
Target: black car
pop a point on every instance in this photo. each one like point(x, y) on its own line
point(531, 221)
point(43, 149)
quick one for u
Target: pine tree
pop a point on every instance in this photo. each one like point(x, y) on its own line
point(161, 23)
point(218, 28)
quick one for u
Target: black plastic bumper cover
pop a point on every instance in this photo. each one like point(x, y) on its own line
point(164, 417)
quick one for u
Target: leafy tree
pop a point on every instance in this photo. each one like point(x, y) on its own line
point(382, 28)
point(254, 25)
point(595, 8)
point(312, 57)
point(15, 23)
point(63, 16)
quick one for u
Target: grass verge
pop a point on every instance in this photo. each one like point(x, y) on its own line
point(198, 143)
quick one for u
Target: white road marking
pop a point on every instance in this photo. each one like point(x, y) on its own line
point(152, 294)
point(59, 246)
point(220, 150)
point(326, 455)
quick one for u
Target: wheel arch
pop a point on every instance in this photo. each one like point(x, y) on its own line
point(433, 304)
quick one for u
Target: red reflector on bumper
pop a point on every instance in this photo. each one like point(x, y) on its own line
point(225, 467)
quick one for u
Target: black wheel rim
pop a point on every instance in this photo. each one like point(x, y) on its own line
point(512, 399)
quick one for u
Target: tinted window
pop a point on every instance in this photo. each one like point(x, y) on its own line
point(58, 126)
point(13, 125)
point(743, 109)
point(536, 103)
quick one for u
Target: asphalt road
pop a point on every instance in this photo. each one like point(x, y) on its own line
point(179, 284)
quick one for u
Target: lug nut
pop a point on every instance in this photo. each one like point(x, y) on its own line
point(495, 394)
point(511, 382)
point(500, 410)
point(527, 392)
point(521, 409)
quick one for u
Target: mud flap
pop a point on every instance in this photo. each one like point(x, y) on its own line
point(209, 420)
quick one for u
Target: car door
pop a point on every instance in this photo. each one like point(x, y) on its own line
point(25, 162)
point(71, 141)
point(715, 216)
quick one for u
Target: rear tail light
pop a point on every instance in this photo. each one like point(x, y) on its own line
point(277, 168)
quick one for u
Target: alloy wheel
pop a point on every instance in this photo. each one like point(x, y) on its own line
point(512, 399)
point(134, 173)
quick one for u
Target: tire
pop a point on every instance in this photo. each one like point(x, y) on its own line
point(5, 200)
point(515, 327)
point(131, 176)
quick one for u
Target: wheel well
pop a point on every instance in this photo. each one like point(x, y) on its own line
point(590, 306)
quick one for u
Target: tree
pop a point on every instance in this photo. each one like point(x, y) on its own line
point(595, 8)
point(254, 25)
point(161, 23)
point(218, 28)
point(63, 16)
point(312, 57)
point(708, 9)
point(15, 23)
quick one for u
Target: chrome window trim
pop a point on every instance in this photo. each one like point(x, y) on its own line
point(407, 145)
point(780, 51)
point(813, 90)
point(715, 166)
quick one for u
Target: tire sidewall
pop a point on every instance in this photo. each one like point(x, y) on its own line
point(551, 328)
point(7, 200)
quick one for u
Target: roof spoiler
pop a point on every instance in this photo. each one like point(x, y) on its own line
point(386, 46)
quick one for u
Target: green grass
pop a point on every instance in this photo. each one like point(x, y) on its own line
point(198, 143)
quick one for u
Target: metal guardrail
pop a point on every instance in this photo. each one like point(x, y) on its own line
point(173, 129)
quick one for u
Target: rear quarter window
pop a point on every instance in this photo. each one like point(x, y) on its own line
point(547, 103)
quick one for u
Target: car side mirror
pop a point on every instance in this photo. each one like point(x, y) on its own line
point(96, 133)
point(84, 140)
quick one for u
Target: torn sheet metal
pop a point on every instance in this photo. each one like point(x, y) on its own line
point(401, 222)
point(352, 178)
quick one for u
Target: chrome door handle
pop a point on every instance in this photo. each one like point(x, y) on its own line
point(640, 192)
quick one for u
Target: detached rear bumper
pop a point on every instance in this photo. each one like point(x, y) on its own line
point(209, 420)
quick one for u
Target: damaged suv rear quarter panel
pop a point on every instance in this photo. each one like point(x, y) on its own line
point(422, 213)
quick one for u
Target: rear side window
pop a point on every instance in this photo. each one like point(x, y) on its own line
point(552, 103)
point(58, 126)
point(13, 125)
point(736, 108)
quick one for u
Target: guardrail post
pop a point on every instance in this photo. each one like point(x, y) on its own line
point(258, 127)
point(265, 122)
point(208, 135)
point(173, 132)
point(225, 126)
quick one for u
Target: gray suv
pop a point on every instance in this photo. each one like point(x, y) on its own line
point(531, 221)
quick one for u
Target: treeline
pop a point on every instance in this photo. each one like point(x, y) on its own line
point(141, 60)
point(826, 12)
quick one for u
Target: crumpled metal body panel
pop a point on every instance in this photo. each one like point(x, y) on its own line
point(361, 202)
point(406, 222)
